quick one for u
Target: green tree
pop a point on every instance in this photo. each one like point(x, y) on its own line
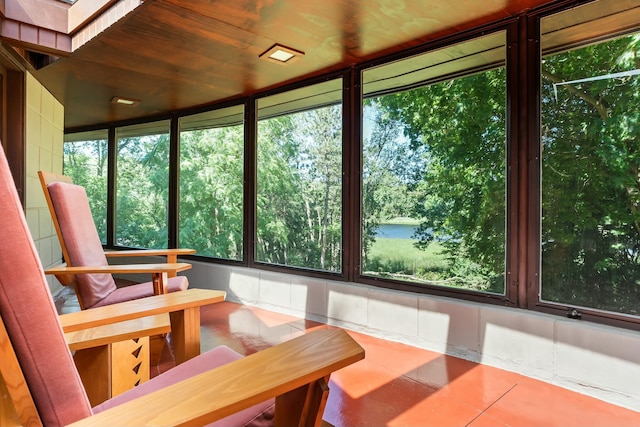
point(299, 195)
point(458, 130)
point(590, 177)
point(278, 208)
point(85, 162)
point(142, 191)
point(321, 130)
point(211, 191)
point(388, 168)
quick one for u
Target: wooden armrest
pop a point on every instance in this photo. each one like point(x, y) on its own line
point(115, 332)
point(135, 309)
point(225, 390)
point(150, 252)
point(120, 269)
point(171, 254)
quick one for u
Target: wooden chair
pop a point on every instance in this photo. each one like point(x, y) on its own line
point(87, 269)
point(43, 386)
point(81, 247)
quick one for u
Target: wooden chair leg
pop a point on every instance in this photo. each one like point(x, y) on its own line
point(185, 333)
point(94, 367)
point(156, 347)
point(111, 369)
point(303, 406)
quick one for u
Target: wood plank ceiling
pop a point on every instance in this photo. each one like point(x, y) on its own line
point(176, 54)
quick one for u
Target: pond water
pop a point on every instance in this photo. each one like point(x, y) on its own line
point(396, 231)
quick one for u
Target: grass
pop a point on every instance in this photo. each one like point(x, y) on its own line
point(399, 259)
point(401, 256)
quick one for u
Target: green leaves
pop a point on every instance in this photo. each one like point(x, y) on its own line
point(457, 162)
point(212, 191)
point(590, 181)
point(299, 193)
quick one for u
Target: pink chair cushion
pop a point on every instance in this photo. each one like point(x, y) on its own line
point(141, 290)
point(84, 247)
point(30, 317)
point(256, 416)
point(82, 240)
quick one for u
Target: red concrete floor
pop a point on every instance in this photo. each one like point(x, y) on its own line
point(399, 385)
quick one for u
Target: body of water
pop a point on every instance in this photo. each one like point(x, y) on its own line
point(396, 231)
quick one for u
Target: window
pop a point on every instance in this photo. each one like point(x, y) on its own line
point(85, 161)
point(212, 182)
point(435, 161)
point(590, 227)
point(299, 184)
point(434, 168)
point(142, 185)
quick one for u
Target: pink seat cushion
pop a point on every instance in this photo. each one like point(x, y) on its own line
point(81, 239)
point(256, 416)
point(85, 248)
point(141, 290)
point(31, 319)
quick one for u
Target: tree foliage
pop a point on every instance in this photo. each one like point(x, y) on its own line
point(211, 191)
point(299, 194)
point(142, 187)
point(457, 135)
point(590, 177)
point(85, 162)
point(389, 165)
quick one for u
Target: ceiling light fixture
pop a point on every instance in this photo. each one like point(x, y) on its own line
point(125, 101)
point(281, 54)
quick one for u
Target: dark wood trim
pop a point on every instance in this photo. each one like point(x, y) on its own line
point(530, 201)
point(514, 195)
point(352, 174)
point(173, 208)
point(250, 179)
point(15, 145)
point(112, 155)
point(441, 291)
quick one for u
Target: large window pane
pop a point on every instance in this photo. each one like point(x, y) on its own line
point(211, 182)
point(299, 188)
point(590, 230)
point(434, 163)
point(142, 185)
point(85, 161)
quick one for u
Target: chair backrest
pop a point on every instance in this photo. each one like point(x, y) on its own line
point(79, 239)
point(32, 325)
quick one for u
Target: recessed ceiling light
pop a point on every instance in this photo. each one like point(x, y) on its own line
point(124, 101)
point(281, 54)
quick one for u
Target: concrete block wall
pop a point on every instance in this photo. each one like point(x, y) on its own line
point(44, 133)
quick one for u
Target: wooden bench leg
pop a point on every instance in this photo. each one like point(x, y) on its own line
point(111, 369)
point(94, 367)
point(303, 406)
point(185, 333)
point(156, 347)
point(160, 282)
